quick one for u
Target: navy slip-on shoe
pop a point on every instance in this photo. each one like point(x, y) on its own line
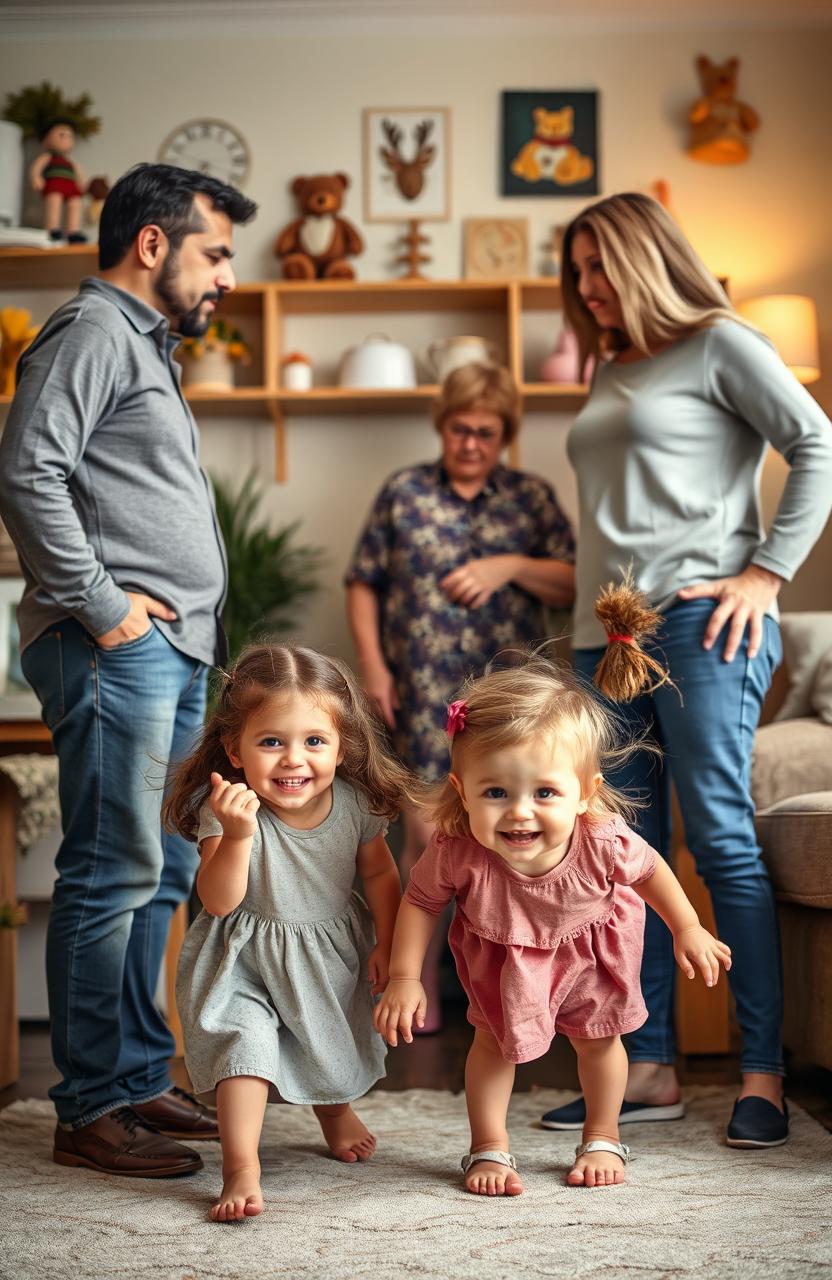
point(756, 1122)
point(573, 1114)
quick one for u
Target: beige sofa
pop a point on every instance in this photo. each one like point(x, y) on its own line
point(792, 788)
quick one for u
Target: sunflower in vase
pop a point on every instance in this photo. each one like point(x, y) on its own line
point(208, 361)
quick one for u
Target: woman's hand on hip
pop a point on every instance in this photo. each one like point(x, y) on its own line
point(743, 602)
point(474, 583)
point(380, 686)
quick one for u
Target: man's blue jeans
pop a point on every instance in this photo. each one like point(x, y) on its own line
point(116, 716)
point(706, 741)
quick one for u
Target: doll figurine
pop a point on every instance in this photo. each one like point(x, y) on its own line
point(60, 181)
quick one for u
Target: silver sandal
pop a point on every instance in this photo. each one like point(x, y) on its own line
point(497, 1157)
point(601, 1144)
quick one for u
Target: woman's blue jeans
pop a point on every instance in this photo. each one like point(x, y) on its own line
point(117, 716)
point(706, 740)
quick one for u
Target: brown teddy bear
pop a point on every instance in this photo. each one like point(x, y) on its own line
point(719, 123)
point(316, 245)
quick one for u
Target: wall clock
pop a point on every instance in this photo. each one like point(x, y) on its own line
point(496, 248)
point(209, 146)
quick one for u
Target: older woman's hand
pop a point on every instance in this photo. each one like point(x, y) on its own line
point(379, 685)
point(744, 600)
point(474, 583)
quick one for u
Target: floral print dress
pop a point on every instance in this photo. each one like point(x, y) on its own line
point(419, 529)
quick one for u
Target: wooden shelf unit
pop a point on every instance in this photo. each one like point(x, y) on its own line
point(261, 309)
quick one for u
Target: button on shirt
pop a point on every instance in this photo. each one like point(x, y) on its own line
point(100, 483)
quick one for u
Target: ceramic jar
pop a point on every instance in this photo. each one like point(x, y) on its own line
point(296, 372)
point(447, 354)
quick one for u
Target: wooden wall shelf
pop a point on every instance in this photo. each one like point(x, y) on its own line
point(263, 307)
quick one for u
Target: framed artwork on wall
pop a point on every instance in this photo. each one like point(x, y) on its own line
point(550, 143)
point(407, 164)
point(496, 248)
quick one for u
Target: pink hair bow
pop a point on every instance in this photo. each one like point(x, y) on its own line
point(457, 712)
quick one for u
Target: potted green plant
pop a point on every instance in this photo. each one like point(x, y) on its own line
point(269, 572)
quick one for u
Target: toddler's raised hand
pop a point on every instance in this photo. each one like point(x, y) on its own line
point(404, 1003)
point(234, 805)
point(695, 946)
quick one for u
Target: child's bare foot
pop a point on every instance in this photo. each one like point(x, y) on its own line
point(488, 1178)
point(345, 1135)
point(596, 1169)
point(241, 1196)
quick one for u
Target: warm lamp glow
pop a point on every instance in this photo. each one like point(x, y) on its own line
point(791, 322)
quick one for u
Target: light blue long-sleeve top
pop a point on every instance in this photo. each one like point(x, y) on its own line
point(668, 452)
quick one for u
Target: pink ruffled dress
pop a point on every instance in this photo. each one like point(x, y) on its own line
point(544, 954)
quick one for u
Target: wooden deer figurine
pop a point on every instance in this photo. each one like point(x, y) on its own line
point(409, 174)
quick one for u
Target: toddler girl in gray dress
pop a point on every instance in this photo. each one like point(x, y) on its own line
point(288, 796)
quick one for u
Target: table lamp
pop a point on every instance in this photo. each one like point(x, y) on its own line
point(790, 321)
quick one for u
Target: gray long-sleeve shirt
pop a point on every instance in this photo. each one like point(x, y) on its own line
point(668, 453)
point(100, 483)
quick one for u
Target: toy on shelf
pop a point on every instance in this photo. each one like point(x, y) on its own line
point(97, 190)
point(16, 332)
point(317, 244)
point(719, 123)
point(60, 181)
point(411, 242)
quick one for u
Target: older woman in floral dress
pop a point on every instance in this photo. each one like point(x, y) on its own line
point(456, 561)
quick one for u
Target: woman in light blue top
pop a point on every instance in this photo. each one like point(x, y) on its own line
point(668, 452)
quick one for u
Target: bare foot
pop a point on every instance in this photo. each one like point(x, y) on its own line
point(487, 1178)
point(345, 1135)
point(241, 1195)
point(597, 1169)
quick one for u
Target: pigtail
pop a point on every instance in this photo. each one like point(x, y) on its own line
point(628, 618)
point(368, 762)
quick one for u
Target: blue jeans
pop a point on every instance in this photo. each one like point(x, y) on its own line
point(706, 742)
point(116, 716)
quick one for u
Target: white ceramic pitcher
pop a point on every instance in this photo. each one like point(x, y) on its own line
point(447, 354)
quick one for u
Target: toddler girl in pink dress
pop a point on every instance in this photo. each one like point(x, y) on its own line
point(549, 884)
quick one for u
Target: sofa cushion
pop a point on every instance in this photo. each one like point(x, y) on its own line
point(807, 637)
point(796, 837)
point(791, 757)
point(822, 689)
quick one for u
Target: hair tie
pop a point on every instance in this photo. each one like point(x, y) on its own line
point(620, 639)
point(457, 712)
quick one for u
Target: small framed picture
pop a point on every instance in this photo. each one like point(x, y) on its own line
point(496, 248)
point(407, 164)
point(550, 143)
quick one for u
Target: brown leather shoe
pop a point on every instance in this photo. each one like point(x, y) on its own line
point(121, 1142)
point(177, 1114)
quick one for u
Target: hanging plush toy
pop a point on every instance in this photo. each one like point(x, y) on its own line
point(627, 616)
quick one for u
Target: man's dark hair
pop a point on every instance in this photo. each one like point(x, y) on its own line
point(163, 195)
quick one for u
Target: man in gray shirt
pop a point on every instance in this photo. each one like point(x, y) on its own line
point(114, 524)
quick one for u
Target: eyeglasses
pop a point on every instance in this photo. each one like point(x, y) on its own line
point(484, 435)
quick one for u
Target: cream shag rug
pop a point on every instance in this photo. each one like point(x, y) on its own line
point(692, 1208)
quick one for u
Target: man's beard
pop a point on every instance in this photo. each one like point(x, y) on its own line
point(187, 323)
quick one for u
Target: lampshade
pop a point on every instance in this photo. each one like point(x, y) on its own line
point(791, 322)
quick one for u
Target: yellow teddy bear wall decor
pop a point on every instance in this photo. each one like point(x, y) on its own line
point(551, 153)
point(719, 122)
point(16, 332)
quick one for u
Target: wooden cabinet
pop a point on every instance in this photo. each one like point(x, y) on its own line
point(266, 312)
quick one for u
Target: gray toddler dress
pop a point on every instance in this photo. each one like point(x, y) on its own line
point(279, 988)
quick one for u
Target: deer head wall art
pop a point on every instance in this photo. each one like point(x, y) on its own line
point(406, 164)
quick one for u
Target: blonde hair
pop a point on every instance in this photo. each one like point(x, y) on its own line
point(664, 288)
point(480, 386)
point(530, 700)
point(266, 671)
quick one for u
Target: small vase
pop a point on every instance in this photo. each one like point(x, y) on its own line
point(212, 371)
point(297, 376)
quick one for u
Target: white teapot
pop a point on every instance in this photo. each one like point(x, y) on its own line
point(447, 354)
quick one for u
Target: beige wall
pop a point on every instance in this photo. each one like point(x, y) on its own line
point(298, 101)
